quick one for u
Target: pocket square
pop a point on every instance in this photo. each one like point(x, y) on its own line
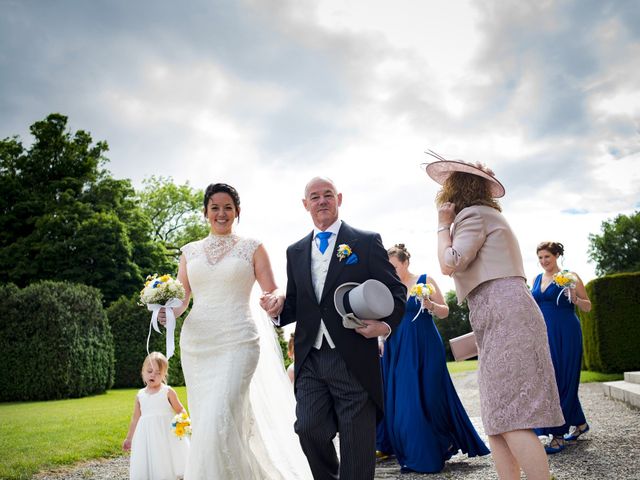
point(352, 259)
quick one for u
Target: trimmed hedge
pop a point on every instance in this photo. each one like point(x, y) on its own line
point(130, 327)
point(611, 330)
point(55, 341)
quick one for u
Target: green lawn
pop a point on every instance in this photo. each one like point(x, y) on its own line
point(41, 435)
point(460, 367)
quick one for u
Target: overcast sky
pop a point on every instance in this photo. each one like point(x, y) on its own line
point(265, 94)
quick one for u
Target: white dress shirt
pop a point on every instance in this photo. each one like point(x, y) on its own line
point(319, 268)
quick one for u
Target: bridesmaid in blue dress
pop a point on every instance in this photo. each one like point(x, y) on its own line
point(565, 342)
point(425, 422)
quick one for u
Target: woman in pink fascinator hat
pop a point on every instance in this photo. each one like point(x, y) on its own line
point(478, 249)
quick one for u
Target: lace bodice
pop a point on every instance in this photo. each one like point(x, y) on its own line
point(220, 269)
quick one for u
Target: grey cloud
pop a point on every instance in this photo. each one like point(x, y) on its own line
point(59, 56)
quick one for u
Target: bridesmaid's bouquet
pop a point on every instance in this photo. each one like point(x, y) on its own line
point(162, 292)
point(181, 425)
point(565, 280)
point(421, 291)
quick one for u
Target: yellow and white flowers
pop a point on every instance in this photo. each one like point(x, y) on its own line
point(420, 292)
point(344, 251)
point(158, 293)
point(181, 425)
point(161, 289)
point(565, 280)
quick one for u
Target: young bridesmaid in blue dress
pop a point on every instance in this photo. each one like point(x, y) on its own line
point(565, 342)
point(425, 422)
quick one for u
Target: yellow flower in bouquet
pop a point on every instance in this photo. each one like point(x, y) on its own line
point(565, 279)
point(161, 289)
point(162, 292)
point(422, 290)
point(181, 425)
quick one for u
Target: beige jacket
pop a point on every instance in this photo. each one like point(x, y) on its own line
point(483, 248)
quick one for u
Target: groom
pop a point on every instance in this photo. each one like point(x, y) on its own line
point(337, 370)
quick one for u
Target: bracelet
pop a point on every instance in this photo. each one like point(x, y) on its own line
point(443, 228)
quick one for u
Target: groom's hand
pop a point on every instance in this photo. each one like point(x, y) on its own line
point(272, 304)
point(374, 328)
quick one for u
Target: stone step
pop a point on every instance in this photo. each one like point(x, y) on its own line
point(627, 392)
point(632, 377)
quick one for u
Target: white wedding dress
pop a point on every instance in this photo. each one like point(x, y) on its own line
point(240, 400)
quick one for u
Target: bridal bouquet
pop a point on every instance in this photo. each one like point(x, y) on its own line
point(565, 280)
point(181, 425)
point(159, 292)
point(421, 291)
point(161, 289)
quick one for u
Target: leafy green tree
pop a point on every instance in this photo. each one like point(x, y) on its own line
point(175, 213)
point(617, 248)
point(456, 324)
point(63, 217)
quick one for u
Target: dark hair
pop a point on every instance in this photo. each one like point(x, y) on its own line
point(222, 188)
point(400, 252)
point(464, 190)
point(556, 248)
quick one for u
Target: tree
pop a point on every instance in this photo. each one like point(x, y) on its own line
point(175, 213)
point(617, 249)
point(63, 217)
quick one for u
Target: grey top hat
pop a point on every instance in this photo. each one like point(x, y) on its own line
point(370, 300)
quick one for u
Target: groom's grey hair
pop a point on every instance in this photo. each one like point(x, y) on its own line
point(315, 179)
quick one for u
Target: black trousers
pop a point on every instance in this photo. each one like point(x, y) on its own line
point(330, 400)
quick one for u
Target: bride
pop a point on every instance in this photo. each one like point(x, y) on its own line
point(240, 399)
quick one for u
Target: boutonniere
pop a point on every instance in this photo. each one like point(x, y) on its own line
point(344, 251)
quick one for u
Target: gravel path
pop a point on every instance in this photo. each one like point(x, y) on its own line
point(609, 451)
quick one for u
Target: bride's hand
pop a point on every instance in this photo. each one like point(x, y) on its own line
point(272, 303)
point(162, 316)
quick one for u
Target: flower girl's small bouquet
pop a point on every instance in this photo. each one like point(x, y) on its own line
point(159, 292)
point(181, 425)
point(565, 280)
point(421, 291)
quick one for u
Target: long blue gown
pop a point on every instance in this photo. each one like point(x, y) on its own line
point(425, 422)
point(565, 343)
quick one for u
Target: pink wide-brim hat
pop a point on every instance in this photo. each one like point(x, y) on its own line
point(442, 168)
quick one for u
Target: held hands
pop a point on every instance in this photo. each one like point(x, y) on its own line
point(272, 303)
point(373, 328)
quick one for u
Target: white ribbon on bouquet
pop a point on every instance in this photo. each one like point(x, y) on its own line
point(170, 325)
point(568, 294)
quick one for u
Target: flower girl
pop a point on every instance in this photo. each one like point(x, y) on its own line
point(157, 453)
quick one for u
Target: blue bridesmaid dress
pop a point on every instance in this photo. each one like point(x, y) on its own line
point(425, 422)
point(565, 344)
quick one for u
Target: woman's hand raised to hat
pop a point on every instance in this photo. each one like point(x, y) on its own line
point(373, 329)
point(446, 214)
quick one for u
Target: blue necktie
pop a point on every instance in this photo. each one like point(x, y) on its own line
point(324, 240)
